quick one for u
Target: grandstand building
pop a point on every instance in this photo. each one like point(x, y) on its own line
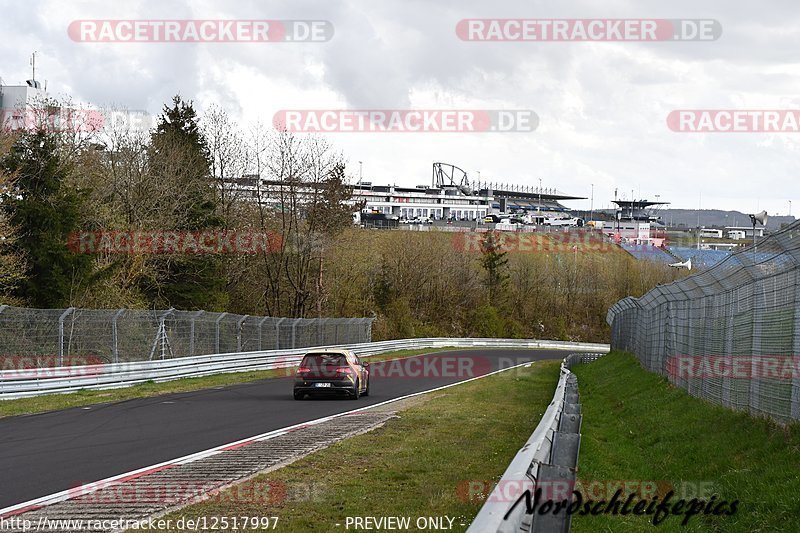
point(450, 196)
point(454, 202)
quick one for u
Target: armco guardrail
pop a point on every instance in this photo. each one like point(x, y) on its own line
point(548, 461)
point(34, 382)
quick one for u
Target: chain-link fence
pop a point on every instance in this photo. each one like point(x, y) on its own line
point(730, 334)
point(65, 337)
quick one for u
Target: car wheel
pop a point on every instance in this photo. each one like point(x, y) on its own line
point(298, 395)
point(366, 391)
point(356, 391)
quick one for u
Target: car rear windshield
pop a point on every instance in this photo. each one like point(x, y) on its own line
point(321, 360)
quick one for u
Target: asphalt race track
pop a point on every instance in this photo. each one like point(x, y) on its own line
point(46, 453)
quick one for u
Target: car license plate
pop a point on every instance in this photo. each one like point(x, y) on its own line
point(322, 384)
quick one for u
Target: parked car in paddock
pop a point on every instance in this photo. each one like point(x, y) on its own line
point(332, 373)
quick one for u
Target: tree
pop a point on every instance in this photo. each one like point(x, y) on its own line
point(178, 155)
point(228, 156)
point(12, 263)
point(43, 212)
point(495, 263)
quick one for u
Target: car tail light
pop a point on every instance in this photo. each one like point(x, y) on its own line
point(303, 370)
point(344, 370)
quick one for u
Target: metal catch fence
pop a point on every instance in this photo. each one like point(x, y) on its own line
point(729, 334)
point(67, 337)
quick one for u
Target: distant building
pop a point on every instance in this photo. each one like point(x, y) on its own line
point(636, 223)
point(14, 100)
point(711, 233)
point(451, 202)
point(444, 199)
point(743, 232)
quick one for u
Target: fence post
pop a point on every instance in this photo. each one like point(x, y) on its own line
point(115, 336)
point(239, 333)
point(261, 323)
point(352, 325)
point(216, 343)
point(294, 332)
point(191, 331)
point(61, 335)
point(278, 333)
point(755, 384)
point(161, 336)
point(795, 405)
point(728, 351)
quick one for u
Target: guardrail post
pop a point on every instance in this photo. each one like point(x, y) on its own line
point(216, 342)
point(115, 336)
point(61, 335)
point(239, 333)
point(558, 484)
point(558, 477)
point(546, 466)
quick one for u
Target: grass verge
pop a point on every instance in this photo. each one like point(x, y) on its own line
point(52, 402)
point(415, 466)
point(637, 427)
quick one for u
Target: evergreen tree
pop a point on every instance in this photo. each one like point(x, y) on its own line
point(495, 263)
point(178, 154)
point(43, 212)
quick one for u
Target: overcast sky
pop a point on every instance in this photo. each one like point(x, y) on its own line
point(602, 106)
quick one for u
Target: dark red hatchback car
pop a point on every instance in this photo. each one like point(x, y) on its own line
point(332, 373)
